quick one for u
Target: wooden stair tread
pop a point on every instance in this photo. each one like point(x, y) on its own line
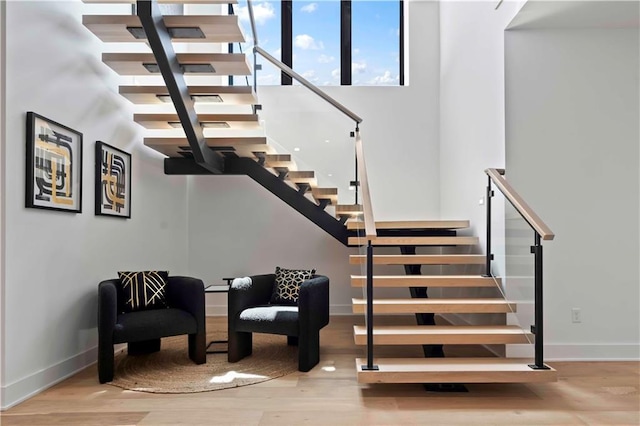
point(329, 194)
point(412, 224)
point(417, 241)
point(223, 63)
point(280, 162)
point(405, 281)
point(163, 120)
point(436, 306)
point(241, 146)
point(442, 334)
point(349, 209)
point(420, 259)
point(215, 28)
point(453, 370)
point(229, 95)
point(303, 177)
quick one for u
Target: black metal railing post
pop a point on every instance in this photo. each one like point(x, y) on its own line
point(231, 13)
point(370, 365)
point(356, 180)
point(489, 257)
point(538, 328)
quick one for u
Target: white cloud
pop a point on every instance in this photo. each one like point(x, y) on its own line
point(310, 8)
point(384, 79)
point(359, 67)
point(306, 42)
point(262, 12)
point(325, 59)
point(335, 73)
point(277, 53)
point(356, 51)
point(310, 75)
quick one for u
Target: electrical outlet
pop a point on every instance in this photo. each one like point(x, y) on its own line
point(576, 315)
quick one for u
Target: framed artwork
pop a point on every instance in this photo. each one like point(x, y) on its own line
point(54, 165)
point(113, 181)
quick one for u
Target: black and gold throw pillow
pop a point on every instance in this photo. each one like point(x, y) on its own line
point(287, 286)
point(143, 290)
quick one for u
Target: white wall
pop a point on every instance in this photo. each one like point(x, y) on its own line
point(54, 260)
point(572, 151)
point(2, 227)
point(472, 104)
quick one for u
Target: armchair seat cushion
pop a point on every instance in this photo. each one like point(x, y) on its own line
point(269, 319)
point(153, 324)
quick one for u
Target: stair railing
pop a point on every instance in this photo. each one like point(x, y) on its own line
point(541, 232)
point(370, 234)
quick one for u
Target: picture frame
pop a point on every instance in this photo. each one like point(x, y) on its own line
point(112, 181)
point(53, 165)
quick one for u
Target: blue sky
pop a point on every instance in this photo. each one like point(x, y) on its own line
point(316, 40)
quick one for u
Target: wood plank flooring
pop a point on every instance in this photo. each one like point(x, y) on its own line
point(587, 393)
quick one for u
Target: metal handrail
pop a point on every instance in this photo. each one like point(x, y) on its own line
point(291, 73)
point(520, 205)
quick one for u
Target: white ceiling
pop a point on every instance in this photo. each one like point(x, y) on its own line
point(538, 14)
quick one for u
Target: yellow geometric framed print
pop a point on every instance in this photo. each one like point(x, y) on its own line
point(113, 181)
point(54, 165)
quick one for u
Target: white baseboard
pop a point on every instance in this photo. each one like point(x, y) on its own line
point(581, 351)
point(221, 310)
point(20, 390)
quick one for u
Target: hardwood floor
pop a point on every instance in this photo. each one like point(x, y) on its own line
point(587, 393)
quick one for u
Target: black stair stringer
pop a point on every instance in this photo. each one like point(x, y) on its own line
point(430, 351)
point(275, 185)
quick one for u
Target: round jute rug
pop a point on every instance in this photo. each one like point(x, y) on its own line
point(171, 371)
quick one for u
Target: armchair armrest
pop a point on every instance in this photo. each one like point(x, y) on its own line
point(187, 293)
point(107, 307)
point(313, 303)
point(258, 293)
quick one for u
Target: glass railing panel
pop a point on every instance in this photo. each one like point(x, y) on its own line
point(513, 269)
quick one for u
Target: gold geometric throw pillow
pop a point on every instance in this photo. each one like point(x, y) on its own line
point(287, 285)
point(143, 290)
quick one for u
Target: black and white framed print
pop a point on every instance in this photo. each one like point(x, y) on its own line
point(113, 181)
point(54, 165)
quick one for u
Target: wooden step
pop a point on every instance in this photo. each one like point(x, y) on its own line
point(329, 194)
point(420, 259)
point(212, 28)
point(349, 210)
point(435, 306)
point(453, 370)
point(442, 334)
point(241, 146)
point(412, 224)
point(216, 121)
point(222, 63)
point(227, 95)
point(303, 178)
point(405, 281)
point(280, 162)
point(414, 241)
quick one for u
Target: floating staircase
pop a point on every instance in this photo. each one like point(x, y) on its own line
point(253, 156)
point(425, 332)
point(236, 136)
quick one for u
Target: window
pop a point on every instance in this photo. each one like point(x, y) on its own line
point(330, 42)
